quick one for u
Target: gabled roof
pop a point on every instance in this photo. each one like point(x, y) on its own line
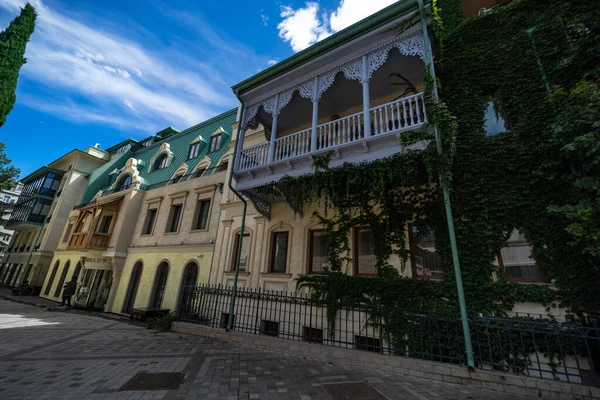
point(342, 37)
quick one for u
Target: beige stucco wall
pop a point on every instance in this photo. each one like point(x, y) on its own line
point(61, 257)
point(177, 257)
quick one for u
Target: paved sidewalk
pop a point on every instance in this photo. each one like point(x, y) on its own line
point(58, 355)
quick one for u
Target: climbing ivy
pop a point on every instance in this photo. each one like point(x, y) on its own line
point(539, 61)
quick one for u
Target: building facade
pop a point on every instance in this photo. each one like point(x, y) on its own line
point(38, 216)
point(8, 198)
point(147, 222)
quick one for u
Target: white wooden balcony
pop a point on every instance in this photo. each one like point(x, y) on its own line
point(345, 137)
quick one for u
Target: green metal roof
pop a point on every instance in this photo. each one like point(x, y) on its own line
point(99, 178)
point(179, 144)
point(342, 37)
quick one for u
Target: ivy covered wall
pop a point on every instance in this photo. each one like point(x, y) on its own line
point(539, 62)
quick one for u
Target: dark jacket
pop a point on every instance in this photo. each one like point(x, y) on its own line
point(69, 289)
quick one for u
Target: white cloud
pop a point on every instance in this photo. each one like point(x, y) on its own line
point(272, 62)
point(264, 19)
point(303, 27)
point(66, 56)
point(351, 11)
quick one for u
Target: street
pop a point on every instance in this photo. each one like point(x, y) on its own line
point(59, 355)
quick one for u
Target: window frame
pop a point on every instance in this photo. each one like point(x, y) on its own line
point(159, 164)
point(311, 238)
point(68, 232)
point(355, 230)
point(542, 279)
point(198, 214)
point(152, 225)
point(236, 245)
point(217, 139)
point(274, 252)
point(413, 264)
point(194, 150)
point(170, 220)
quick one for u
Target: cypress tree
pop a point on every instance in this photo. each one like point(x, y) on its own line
point(13, 41)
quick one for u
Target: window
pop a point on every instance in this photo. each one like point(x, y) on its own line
point(222, 167)
point(317, 258)
point(425, 260)
point(279, 251)
point(76, 273)
point(160, 282)
point(124, 183)
point(134, 283)
point(364, 252)
point(494, 120)
point(174, 218)
point(269, 328)
point(105, 222)
point(161, 162)
point(517, 262)
point(225, 320)
point(176, 178)
point(51, 279)
point(244, 253)
point(61, 281)
point(67, 233)
point(202, 214)
point(199, 172)
point(367, 343)
point(190, 277)
point(313, 335)
point(194, 149)
point(149, 221)
point(215, 143)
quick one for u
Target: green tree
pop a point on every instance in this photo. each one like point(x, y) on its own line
point(13, 41)
point(8, 173)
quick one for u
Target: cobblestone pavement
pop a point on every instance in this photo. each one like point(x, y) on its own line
point(57, 355)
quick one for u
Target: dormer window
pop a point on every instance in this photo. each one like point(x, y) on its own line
point(124, 183)
point(223, 166)
point(161, 162)
point(194, 150)
point(215, 143)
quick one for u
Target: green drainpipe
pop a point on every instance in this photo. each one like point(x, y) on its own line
point(242, 226)
point(447, 205)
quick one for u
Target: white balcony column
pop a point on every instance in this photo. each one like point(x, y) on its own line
point(240, 147)
point(366, 97)
point(274, 130)
point(315, 116)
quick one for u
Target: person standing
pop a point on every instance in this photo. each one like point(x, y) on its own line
point(68, 291)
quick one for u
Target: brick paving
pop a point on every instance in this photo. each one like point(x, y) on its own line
point(58, 355)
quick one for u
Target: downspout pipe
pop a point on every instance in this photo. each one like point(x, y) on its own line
point(447, 205)
point(243, 223)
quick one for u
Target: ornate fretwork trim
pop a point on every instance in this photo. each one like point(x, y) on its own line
point(262, 205)
point(411, 43)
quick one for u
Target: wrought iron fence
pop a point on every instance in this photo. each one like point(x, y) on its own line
point(523, 344)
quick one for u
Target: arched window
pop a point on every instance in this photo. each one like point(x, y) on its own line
point(190, 276)
point(124, 183)
point(134, 283)
point(61, 281)
point(76, 273)
point(161, 162)
point(51, 279)
point(176, 178)
point(160, 282)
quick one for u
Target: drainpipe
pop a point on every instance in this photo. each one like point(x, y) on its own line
point(212, 259)
point(242, 226)
point(447, 204)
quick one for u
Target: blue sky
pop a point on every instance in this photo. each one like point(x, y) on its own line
point(104, 71)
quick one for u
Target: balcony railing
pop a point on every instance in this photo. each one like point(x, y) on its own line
point(79, 240)
point(396, 116)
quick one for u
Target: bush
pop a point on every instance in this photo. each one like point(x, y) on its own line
point(163, 323)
